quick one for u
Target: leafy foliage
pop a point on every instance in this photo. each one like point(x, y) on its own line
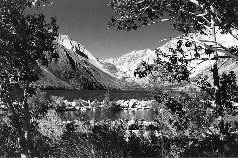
point(24, 39)
point(197, 129)
point(187, 15)
point(51, 126)
point(39, 104)
point(228, 91)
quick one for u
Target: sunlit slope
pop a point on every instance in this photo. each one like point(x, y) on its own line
point(124, 66)
point(73, 67)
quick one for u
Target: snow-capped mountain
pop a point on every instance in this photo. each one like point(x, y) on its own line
point(127, 63)
point(74, 67)
point(69, 44)
point(124, 66)
point(201, 66)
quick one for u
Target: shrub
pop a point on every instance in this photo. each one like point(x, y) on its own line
point(39, 103)
point(74, 144)
point(197, 133)
point(108, 139)
point(51, 126)
point(9, 144)
point(58, 103)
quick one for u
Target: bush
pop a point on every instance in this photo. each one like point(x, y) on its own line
point(108, 139)
point(110, 108)
point(51, 126)
point(39, 104)
point(9, 145)
point(58, 103)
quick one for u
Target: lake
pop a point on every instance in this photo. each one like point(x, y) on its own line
point(115, 95)
point(99, 95)
point(99, 115)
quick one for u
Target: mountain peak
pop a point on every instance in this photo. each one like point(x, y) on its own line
point(124, 66)
point(76, 67)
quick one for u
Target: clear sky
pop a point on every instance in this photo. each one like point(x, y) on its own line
point(85, 21)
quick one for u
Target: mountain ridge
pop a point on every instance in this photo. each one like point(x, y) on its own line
point(74, 67)
point(126, 64)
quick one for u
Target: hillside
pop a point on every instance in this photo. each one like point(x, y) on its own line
point(124, 66)
point(74, 67)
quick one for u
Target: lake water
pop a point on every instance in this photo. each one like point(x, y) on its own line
point(99, 95)
point(99, 115)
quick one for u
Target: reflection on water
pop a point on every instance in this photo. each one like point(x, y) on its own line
point(99, 95)
point(99, 115)
point(147, 115)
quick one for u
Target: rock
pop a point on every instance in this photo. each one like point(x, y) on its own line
point(143, 103)
point(146, 134)
point(83, 109)
point(84, 103)
point(73, 104)
point(3, 106)
point(95, 104)
point(234, 104)
point(67, 104)
point(132, 103)
point(161, 110)
point(126, 103)
point(120, 102)
point(131, 122)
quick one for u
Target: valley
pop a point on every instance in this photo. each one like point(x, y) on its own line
point(74, 67)
point(93, 79)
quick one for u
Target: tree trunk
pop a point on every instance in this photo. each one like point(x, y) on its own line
point(27, 123)
point(215, 73)
point(216, 81)
point(16, 122)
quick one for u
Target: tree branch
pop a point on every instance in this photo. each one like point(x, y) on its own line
point(233, 35)
point(205, 59)
point(224, 50)
point(194, 2)
point(162, 20)
point(206, 90)
point(199, 15)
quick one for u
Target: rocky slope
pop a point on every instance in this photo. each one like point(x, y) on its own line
point(124, 66)
point(74, 67)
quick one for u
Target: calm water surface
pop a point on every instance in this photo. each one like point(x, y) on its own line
point(99, 115)
point(70, 95)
